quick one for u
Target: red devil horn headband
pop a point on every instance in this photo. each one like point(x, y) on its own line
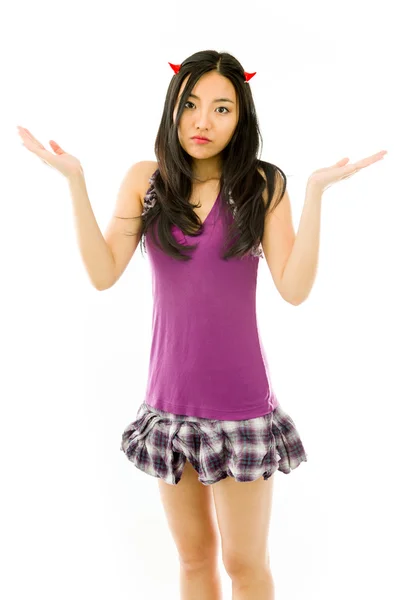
point(176, 68)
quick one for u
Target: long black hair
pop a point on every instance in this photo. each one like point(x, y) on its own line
point(241, 179)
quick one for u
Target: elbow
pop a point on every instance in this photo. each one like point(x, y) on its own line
point(298, 301)
point(105, 284)
point(294, 301)
point(102, 287)
point(288, 296)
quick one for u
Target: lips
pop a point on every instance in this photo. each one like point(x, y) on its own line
point(198, 137)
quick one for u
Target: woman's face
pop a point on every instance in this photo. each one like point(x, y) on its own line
point(213, 114)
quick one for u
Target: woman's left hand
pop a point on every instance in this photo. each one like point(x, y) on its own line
point(324, 178)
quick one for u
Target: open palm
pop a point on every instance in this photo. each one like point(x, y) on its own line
point(342, 170)
point(60, 160)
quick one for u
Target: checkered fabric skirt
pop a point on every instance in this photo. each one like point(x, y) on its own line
point(159, 443)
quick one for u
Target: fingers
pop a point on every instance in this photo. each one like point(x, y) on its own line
point(32, 144)
point(371, 159)
point(368, 161)
point(30, 139)
point(365, 162)
point(57, 149)
point(28, 133)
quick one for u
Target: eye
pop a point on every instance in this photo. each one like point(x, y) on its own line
point(224, 107)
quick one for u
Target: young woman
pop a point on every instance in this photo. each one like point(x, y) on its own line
point(210, 428)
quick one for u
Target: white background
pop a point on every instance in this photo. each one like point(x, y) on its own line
point(78, 520)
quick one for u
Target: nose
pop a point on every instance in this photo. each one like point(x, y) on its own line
point(202, 120)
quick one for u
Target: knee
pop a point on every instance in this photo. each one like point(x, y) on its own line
point(193, 565)
point(199, 560)
point(245, 565)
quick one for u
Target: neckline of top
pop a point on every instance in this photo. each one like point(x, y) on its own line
point(212, 209)
point(151, 181)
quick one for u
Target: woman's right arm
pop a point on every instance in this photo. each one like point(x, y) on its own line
point(106, 258)
point(96, 254)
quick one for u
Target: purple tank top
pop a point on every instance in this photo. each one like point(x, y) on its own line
point(206, 357)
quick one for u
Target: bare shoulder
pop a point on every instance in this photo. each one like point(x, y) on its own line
point(277, 193)
point(147, 168)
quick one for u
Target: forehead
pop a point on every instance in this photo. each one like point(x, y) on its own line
point(212, 85)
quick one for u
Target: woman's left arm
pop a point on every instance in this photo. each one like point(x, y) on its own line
point(301, 267)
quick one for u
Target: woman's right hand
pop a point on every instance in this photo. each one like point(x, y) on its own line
point(67, 164)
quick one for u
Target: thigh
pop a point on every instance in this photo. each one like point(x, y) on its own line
point(190, 513)
point(243, 511)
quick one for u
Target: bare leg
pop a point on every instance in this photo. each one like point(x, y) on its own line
point(190, 513)
point(243, 511)
point(200, 583)
point(254, 586)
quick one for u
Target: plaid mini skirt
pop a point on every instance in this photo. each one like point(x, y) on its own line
point(159, 443)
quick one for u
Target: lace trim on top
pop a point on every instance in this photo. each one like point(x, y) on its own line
point(150, 199)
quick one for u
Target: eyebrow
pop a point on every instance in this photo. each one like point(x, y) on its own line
point(216, 99)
